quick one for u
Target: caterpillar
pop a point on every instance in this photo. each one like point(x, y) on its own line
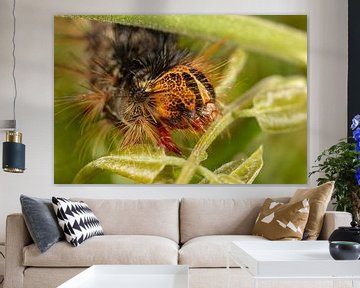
point(141, 83)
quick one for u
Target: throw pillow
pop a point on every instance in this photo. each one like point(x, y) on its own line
point(279, 221)
point(319, 198)
point(77, 220)
point(41, 222)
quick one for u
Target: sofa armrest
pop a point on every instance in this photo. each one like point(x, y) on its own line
point(17, 237)
point(333, 220)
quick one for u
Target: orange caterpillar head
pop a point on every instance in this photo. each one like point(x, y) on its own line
point(180, 98)
point(183, 97)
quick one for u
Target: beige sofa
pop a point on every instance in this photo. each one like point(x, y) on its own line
point(194, 232)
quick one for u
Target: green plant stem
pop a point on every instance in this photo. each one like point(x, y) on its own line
point(233, 112)
point(175, 161)
point(244, 113)
point(201, 146)
point(192, 163)
point(246, 99)
point(249, 32)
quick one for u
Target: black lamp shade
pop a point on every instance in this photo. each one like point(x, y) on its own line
point(13, 157)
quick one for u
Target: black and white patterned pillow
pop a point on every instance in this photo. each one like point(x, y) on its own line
point(77, 220)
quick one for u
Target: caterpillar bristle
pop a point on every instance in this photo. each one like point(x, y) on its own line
point(139, 85)
point(96, 141)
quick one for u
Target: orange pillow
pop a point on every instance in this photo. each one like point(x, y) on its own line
point(319, 198)
point(279, 221)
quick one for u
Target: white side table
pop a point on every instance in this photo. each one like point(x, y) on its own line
point(285, 261)
point(131, 276)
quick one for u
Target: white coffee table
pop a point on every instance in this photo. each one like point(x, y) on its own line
point(131, 276)
point(292, 260)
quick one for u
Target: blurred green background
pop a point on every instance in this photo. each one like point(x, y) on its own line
point(285, 155)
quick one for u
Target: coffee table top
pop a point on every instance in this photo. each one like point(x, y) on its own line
point(291, 259)
point(131, 276)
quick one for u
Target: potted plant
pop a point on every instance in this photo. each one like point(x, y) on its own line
point(341, 163)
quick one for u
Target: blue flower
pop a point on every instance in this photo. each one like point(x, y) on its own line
point(357, 176)
point(356, 134)
point(355, 122)
point(357, 147)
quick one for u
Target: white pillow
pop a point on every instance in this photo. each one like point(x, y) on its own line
point(76, 220)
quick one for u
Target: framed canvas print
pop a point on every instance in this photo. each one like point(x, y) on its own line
point(180, 99)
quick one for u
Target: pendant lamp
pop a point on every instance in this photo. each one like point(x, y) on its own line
point(13, 160)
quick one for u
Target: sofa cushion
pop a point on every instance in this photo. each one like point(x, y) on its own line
point(279, 221)
point(319, 198)
point(41, 221)
point(107, 249)
point(201, 217)
point(158, 217)
point(211, 251)
point(76, 220)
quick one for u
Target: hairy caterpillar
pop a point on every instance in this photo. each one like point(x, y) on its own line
point(144, 86)
point(209, 88)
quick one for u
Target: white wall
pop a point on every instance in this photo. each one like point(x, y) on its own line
point(327, 107)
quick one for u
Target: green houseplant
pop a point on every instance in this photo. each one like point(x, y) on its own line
point(341, 163)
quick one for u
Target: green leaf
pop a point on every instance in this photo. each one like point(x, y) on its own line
point(250, 168)
point(226, 179)
point(229, 167)
point(226, 170)
point(282, 107)
point(339, 163)
point(139, 163)
point(240, 171)
point(249, 32)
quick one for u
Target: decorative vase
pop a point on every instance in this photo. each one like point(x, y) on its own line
point(345, 233)
point(344, 250)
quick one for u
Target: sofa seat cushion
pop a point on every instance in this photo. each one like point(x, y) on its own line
point(206, 217)
point(158, 217)
point(107, 249)
point(211, 251)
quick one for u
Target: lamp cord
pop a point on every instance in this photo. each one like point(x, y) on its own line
point(14, 61)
